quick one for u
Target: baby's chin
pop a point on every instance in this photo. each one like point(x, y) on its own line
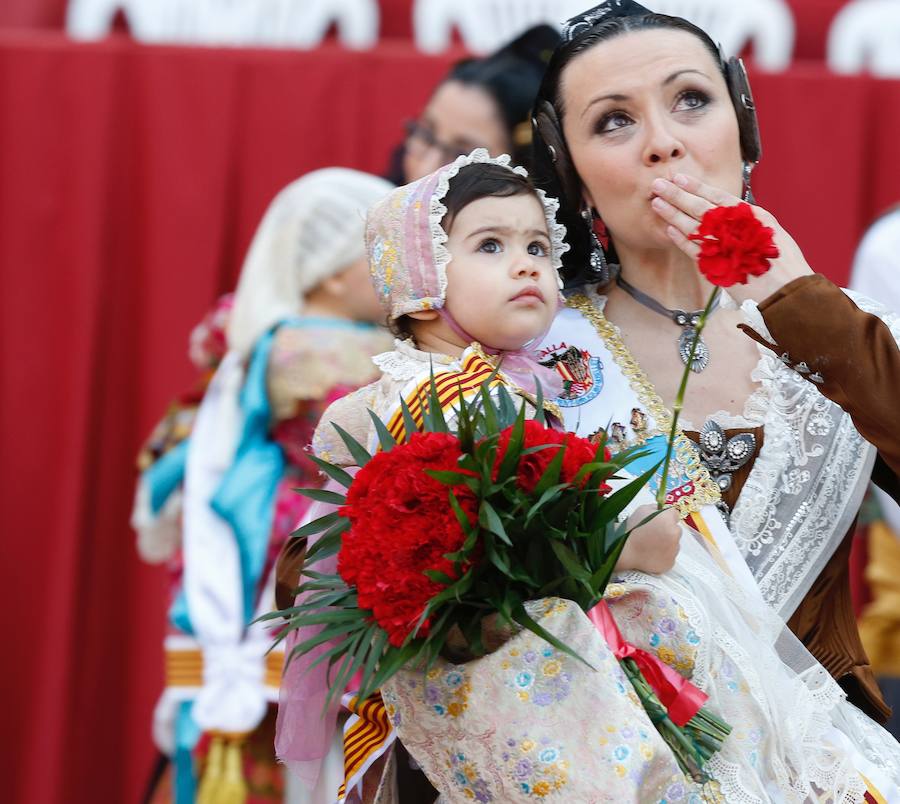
point(514, 340)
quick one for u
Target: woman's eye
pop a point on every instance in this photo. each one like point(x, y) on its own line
point(490, 246)
point(613, 121)
point(691, 99)
point(537, 249)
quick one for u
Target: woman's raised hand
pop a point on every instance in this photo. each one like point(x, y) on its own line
point(683, 201)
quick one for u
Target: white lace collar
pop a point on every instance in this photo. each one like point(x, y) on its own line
point(406, 361)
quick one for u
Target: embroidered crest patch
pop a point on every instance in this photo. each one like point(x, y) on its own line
point(581, 372)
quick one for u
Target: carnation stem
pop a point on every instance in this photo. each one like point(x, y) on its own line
point(679, 400)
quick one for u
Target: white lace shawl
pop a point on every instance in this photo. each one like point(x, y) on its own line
point(807, 482)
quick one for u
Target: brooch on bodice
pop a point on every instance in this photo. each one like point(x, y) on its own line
point(723, 456)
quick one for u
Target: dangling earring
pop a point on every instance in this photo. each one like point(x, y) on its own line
point(747, 194)
point(599, 265)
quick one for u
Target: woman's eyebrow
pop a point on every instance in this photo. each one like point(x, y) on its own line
point(618, 97)
point(677, 73)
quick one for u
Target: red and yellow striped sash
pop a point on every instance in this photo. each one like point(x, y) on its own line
point(696, 521)
point(450, 385)
point(872, 796)
point(367, 735)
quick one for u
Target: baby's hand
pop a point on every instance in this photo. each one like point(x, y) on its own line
point(652, 547)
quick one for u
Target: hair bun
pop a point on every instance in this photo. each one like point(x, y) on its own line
point(536, 45)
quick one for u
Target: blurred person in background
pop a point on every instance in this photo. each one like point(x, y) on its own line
point(481, 103)
point(215, 497)
point(876, 273)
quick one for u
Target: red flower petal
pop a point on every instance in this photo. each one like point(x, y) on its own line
point(401, 526)
point(734, 245)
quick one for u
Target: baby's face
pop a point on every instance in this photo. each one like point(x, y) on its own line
point(501, 286)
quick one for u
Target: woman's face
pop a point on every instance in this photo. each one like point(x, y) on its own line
point(457, 119)
point(359, 292)
point(643, 105)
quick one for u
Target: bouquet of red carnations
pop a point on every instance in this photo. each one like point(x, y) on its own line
point(439, 532)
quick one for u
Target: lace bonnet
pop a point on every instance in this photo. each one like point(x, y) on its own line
point(408, 257)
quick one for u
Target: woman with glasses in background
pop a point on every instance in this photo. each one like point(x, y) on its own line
point(481, 103)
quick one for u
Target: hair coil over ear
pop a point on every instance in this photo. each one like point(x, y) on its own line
point(744, 108)
point(555, 173)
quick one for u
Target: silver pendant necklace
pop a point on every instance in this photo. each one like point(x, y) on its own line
point(686, 320)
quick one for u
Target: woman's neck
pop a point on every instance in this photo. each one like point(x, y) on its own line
point(668, 275)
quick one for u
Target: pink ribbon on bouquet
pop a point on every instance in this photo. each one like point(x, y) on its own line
point(681, 698)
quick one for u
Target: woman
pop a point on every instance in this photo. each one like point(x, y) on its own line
point(481, 103)
point(216, 498)
point(641, 127)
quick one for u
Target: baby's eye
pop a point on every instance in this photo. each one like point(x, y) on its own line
point(490, 246)
point(538, 249)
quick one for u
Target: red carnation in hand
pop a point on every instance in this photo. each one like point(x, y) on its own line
point(402, 525)
point(579, 451)
point(734, 245)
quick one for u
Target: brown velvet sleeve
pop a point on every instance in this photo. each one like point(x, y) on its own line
point(851, 355)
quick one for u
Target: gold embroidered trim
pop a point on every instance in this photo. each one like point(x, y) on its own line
point(706, 492)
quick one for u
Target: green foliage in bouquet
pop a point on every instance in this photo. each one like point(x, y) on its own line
point(516, 541)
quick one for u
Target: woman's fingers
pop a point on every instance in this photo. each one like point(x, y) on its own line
point(686, 201)
point(674, 216)
point(715, 196)
point(689, 247)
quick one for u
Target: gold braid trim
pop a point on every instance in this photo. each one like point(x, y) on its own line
point(706, 492)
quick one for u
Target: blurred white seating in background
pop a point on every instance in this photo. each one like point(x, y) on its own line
point(766, 25)
point(484, 25)
point(865, 36)
point(286, 23)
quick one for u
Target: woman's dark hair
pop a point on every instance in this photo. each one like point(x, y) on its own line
point(552, 166)
point(511, 77)
point(481, 180)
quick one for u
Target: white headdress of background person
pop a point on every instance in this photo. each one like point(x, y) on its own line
point(313, 229)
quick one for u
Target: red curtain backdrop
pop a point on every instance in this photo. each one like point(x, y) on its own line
point(33, 13)
point(132, 180)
